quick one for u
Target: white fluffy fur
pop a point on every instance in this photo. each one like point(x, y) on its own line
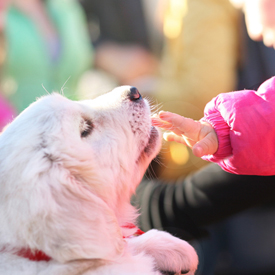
point(69, 196)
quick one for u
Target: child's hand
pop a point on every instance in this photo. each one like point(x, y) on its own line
point(198, 135)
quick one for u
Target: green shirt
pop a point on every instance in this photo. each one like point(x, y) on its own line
point(30, 66)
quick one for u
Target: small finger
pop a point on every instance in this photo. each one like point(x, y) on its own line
point(165, 125)
point(207, 146)
point(189, 142)
point(156, 121)
point(174, 137)
point(189, 127)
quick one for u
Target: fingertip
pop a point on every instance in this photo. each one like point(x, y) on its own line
point(163, 114)
point(169, 136)
point(165, 136)
point(155, 119)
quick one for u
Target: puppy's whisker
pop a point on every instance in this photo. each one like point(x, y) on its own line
point(45, 89)
point(155, 108)
point(63, 86)
point(158, 161)
point(150, 173)
point(154, 105)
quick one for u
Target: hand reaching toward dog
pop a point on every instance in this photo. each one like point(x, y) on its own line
point(198, 135)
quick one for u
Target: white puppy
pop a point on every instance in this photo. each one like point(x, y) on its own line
point(67, 173)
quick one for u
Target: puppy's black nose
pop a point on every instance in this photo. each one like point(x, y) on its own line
point(134, 94)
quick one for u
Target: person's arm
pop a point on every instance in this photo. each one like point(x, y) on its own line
point(237, 131)
point(184, 207)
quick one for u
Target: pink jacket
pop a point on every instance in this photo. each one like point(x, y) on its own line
point(245, 124)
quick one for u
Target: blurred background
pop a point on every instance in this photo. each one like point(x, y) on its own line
point(178, 53)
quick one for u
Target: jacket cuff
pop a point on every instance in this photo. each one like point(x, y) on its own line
point(222, 130)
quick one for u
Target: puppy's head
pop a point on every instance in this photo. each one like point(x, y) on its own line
point(68, 169)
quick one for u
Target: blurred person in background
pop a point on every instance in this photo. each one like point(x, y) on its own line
point(124, 54)
point(201, 66)
point(50, 47)
point(47, 45)
point(260, 19)
point(6, 110)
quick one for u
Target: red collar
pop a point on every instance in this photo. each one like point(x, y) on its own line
point(38, 255)
point(138, 232)
point(35, 255)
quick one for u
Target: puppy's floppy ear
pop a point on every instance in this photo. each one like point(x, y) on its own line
point(78, 224)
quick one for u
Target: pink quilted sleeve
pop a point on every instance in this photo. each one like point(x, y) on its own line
point(245, 125)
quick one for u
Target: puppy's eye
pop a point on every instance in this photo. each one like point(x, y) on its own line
point(86, 128)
